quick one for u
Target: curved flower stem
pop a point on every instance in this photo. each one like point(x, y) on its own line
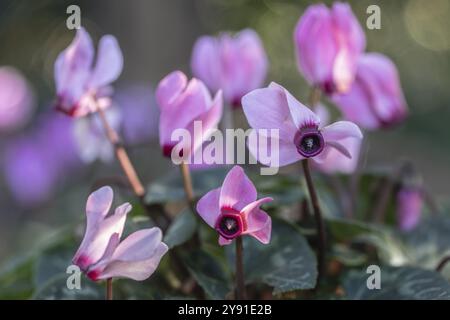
point(240, 282)
point(187, 184)
point(442, 263)
point(314, 96)
point(319, 220)
point(122, 156)
point(109, 289)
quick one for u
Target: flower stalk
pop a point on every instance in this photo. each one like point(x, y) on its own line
point(187, 183)
point(109, 289)
point(319, 219)
point(240, 281)
point(122, 156)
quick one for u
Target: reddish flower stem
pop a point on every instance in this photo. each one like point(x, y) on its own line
point(187, 183)
point(319, 220)
point(240, 282)
point(109, 289)
point(122, 156)
point(442, 263)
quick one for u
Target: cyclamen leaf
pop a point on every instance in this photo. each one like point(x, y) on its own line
point(287, 263)
point(181, 229)
point(398, 283)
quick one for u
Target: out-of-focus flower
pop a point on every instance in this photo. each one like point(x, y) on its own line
point(301, 135)
point(101, 255)
point(37, 161)
point(236, 64)
point(182, 103)
point(28, 172)
point(90, 137)
point(328, 44)
point(234, 211)
point(335, 161)
point(16, 99)
point(375, 99)
point(82, 87)
point(139, 114)
point(409, 208)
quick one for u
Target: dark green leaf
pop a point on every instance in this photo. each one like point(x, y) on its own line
point(209, 274)
point(181, 229)
point(398, 283)
point(287, 263)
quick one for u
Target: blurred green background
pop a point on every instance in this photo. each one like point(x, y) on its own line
point(157, 36)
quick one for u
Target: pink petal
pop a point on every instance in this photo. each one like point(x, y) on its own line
point(335, 162)
point(72, 69)
point(340, 130)
point(376, 98)
point(237, 190)
point(263, 235)
point(351, 42)
point(136, 270)
point(315, 44)
point(261, 149)
point(208, 207)
point(267, 108)
point(205, 62)
point(140, 245)
point(182, 109)
point(136, 257)
point(247, 66)
point(98, 205)
point(209, 121)
point(301, 115)
point(170, 87)
point(109, 62)
point(256, 218)
point(96, 241)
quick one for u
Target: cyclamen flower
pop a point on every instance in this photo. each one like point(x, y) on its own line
point(335, 161)
point(375, 99)
point(236, 64)
point(82, 87)
point(409, 208)
point(181, 104)
point(16, 99)
point(301, 134)
point(234, 211)
point(37, 161)
point(328, 44)
point(101, 255)
point(139, 114)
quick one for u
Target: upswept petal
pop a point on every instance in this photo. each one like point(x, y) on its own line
point(109, 62)
point(237, 190)
point(208, 207)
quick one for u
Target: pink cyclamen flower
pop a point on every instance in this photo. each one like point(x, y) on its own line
point(101, 255)
point(301, 134)
point(328, 43)
point(16, 99)
point(234, 211)
point(409, 208)
point(335, 161)
point(182, 105)
point(81, 86)
point(236, 64)
point(375, 99)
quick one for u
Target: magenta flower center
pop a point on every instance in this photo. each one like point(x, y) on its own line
point(230, 224)
point(309, 142)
